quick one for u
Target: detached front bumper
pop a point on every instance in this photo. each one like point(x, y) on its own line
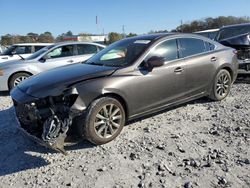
point(38, 140)
point(48, 120)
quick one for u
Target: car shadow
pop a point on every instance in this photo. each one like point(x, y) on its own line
point(4, 93)
point(18, 152)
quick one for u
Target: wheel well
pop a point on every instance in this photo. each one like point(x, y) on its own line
point(15, 74)
point(229, 70)
point(120, 99)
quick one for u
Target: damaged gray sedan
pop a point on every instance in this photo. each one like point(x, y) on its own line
point(131, 78)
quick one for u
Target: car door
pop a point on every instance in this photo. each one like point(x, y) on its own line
point(85, 51)
point(57, 57)
point(199, 64)
point(162, 85)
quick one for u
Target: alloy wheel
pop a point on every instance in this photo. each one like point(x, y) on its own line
point(108, 120)
point(18, 80)
point(223, 85)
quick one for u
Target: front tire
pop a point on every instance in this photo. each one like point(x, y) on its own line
point(104, 120)
point(221, 86)
point(17, 79)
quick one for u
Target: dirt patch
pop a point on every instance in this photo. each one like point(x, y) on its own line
point(199, 144)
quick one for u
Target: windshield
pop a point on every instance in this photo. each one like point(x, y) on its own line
point(232, 31)
point(9, 50)
point(121, 53)
point(39, 52)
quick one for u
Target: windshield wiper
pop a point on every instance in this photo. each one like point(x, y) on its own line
point(94, 63)
point(20, 56)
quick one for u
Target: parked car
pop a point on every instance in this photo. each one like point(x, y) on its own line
point(55, 55)
point(210, 33)
point(238, 37)
point(20, 51)
point(2, 48)
point(131, 78)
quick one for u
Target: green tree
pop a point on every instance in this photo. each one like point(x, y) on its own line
point(69, 33)
point(131, 35)
point(33, 37)
point(157, 31)
point(113, 37)
point(46, 37)
point(210, 23)
point(6, 40)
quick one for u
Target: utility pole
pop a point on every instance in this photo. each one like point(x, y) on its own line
point(181, 26)
point(123, 31)
point(97, 24)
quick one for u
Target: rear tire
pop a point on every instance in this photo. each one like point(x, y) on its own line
point(221, 86)
point(104, 120)
point(17, 79)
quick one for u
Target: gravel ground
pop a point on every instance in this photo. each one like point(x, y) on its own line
point(199, 144)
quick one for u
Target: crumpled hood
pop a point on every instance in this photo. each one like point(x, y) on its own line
point(53, 82)
point(240, 40)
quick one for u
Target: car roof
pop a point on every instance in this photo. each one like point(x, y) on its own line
point(158, 36)
point(32, 44)
point(77, 42)
point(154, 36)
point(236, 25)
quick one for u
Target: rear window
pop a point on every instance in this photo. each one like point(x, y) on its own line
point(100, 48)
point(191, 46)
point(209, 46)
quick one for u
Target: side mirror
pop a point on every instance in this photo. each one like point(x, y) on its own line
point(13, 53)
point(44, 58)
point(155, 61)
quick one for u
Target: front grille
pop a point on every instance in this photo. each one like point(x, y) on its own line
point(245, 66)
point(243, 54)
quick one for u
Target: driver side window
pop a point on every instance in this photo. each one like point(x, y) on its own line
point(63, 51)
point(167, 49)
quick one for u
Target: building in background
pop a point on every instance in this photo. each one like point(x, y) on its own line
point(102, 39)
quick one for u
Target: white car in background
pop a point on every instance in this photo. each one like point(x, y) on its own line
point(1, 49)
point(19, 51)
point(52, 56)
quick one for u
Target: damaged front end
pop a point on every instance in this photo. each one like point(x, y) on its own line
point(48, 120)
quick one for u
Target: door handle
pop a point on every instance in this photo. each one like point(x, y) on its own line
point(178, 70)
point(70, 61)
point(214, 59)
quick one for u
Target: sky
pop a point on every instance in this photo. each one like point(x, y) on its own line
point(137, 16)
